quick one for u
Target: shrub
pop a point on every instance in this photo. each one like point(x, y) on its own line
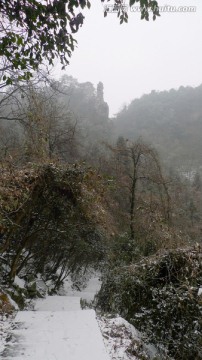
point(159, 295)
point(54, 220)
point(6, 304)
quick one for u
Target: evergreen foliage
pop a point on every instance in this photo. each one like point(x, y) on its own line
point(160, 296)
point(33, 31)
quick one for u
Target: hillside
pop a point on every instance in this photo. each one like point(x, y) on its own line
point(170, 120)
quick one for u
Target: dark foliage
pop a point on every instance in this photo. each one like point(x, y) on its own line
point(33, 31)
point(160, 297)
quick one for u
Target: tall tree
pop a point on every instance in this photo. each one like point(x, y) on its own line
point(139, 171)
point(49, 127)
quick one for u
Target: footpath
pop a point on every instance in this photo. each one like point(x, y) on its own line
point(57, 329)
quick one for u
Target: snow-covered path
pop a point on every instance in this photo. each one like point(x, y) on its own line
point(57, 330)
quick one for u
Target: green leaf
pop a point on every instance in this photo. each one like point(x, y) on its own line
point(147, 16)
point(9, 81)
point(19, 41)
point(132, 2)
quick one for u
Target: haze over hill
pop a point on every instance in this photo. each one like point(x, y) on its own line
point(170, 120)
point(89, 187)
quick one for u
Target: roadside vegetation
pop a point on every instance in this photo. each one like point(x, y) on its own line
point(74, 197)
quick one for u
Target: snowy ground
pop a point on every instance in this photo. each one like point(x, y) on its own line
point(61, 335)
point(88, 293)
point(58, 329)
point(5, 328)
point(123, 341)
point(119, 338)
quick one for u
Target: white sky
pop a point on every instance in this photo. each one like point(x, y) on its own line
point(135, 58)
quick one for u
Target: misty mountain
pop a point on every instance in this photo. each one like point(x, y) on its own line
point(170, 120)
point(85, 101)
point(91, 113)
point(70, 117)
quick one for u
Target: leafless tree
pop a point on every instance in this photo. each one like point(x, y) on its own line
point(139, 172)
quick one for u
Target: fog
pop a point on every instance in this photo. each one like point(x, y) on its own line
point(101, 174)
point(135, 58)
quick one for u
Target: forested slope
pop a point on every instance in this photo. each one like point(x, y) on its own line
point(170, 120)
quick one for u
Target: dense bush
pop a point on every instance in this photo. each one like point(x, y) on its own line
point(52, 221)
point(160, 296)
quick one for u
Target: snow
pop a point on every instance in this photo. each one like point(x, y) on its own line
point(19, 282)
point(62, 335)
point(58, 303)
point(200, 291)
point(121, 339)
point(5, 328)
point(58, 329)
point(93, 286)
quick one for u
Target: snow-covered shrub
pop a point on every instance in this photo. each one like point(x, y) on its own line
point(159, 295)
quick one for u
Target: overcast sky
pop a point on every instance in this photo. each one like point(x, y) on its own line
point(135, 58)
